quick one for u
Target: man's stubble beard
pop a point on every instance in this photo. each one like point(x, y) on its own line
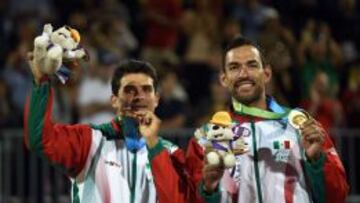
point(247, 99)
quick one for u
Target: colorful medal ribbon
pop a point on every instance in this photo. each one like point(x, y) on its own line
point(133, 139)
point(277, 112)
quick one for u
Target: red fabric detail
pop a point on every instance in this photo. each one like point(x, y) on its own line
point(174, 186)
point(116, 126)
point(336, 185)
point(324, 113)
point(179, 185)
point(65, 145)
point(195, 161)
point(289, 186)
point(44, 78)
point(26, 126)
point(287, 144)
point(102, 179)
point(234, 197)
point(161, 35)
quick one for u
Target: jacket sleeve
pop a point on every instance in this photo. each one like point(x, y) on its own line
point(64, 146)
point(168, 168)
point(327, 176)
point(172, 176)
point(195, 163)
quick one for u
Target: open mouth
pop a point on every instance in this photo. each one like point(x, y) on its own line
point(246, 83)
point(138, 107)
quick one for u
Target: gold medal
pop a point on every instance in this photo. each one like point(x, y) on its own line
point(298, 118)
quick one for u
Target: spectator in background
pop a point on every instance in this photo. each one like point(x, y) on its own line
point(231, 28)
point(172, 109)
point(65, 106)
point(40, 8)
point(117, 9)
point(5, 22)
point(318, 50)
point(18, 78)
point(162, 19)
point(279, 45)
point(284, 85)
point(219, 100)
point(94, 91)
point(346, 21)
point(202, 53)
point(112, 34)
point(7, 117)
point(251, 14)
point(273, 32)
point(201, 28)
point(80, 21)
point(351, 96)
point(321, 105)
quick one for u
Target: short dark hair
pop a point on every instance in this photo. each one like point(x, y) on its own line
point(132, 66)
point(240, 41)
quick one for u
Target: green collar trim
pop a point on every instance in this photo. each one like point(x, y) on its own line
point(242, 109)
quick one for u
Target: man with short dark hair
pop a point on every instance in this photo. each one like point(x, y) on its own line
point(108, 162)
point(289, 156)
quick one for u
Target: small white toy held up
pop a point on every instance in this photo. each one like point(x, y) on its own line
point(53, 48)
point(220, 140)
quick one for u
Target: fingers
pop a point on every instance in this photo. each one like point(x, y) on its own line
point(312, 131)
point(314, 138)
point(212, 175)
point(144, 117)
point(214, 168)
point(149, 126)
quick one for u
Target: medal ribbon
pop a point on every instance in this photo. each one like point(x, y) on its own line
point(277, 112)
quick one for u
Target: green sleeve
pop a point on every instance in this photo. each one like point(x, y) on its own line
point(315, 174)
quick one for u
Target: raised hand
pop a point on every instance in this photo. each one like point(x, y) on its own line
point(149, 125)
point(35, 68)
point(212, 175)
point(313, 135)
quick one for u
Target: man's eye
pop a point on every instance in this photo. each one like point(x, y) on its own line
point(253, 65)
point(147, 89)
point(233, 67)
point(129, 90)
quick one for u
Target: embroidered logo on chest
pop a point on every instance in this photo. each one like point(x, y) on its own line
point(282, 149)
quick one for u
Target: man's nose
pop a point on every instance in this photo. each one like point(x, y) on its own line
point(139, 94)
point(243, 72)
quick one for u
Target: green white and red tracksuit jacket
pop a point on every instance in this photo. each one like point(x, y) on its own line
point(275, 170)
point(101, 168)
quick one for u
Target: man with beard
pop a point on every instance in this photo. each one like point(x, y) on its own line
point(290, 157)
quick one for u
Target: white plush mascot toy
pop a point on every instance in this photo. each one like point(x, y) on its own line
point(52, 48)
point(220, 141)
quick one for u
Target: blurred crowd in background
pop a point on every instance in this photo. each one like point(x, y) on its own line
point(312, 45)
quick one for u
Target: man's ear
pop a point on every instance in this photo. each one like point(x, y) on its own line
point(267, 73)
point(115, 102)
point(223, 79)
point(157, 99)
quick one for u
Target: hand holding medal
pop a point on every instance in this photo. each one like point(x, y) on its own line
point(312, 133)
point(297, 118)
point(146, 122)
